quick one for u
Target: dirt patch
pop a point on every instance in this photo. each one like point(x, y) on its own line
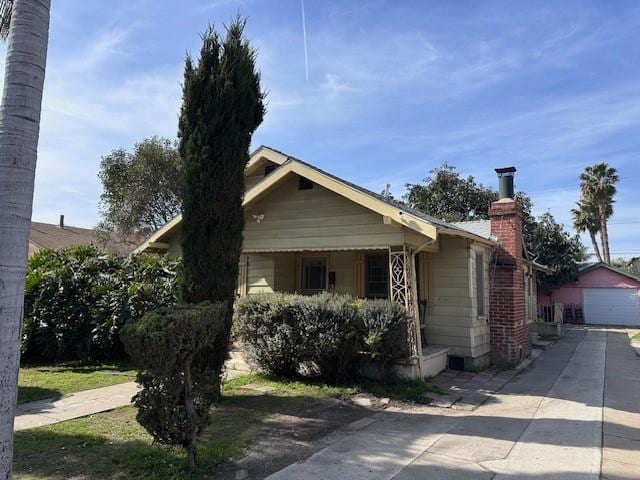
point(281, 439)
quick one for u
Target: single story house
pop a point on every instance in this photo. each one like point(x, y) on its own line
point(59, 236)
point(468, 285)
point(600, 294)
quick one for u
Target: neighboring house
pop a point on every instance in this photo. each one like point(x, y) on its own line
point(468, 285)
point(603, 295)
point(59, 236)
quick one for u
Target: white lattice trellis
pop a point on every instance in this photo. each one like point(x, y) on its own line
point(403, 289)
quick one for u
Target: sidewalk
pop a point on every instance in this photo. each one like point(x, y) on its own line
point(80, 404)
point(45, 412)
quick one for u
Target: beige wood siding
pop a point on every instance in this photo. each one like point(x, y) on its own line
point(480, 336)
point(314, 219)
point(285, 272)
point(257, 174)
point(243, 271)
point(450, 316)
point(342, 263)
point(261, 274)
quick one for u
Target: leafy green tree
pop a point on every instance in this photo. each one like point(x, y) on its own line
point(445, 194)
point(551, 245)
point(222, 107)
point(585, 219)
point(598, 187)
point(77, 300)
point(141, 190)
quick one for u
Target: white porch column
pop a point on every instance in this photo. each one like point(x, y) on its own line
point(404, 291)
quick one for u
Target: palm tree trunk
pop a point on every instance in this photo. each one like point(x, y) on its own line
point(19, 131)
point(604, 235)
point(594, 242)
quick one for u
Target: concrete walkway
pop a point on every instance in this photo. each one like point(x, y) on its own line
point(80, 404)
point(571, 413)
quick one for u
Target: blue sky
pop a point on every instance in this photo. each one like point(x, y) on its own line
point(394, 89)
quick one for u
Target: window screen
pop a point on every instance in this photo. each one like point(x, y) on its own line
point(314, 275)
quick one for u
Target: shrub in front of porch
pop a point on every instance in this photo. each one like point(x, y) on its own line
point(385, 331)
point(332, 333)
point(269, 327)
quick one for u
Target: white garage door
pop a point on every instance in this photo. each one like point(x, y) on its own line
point(612, 306)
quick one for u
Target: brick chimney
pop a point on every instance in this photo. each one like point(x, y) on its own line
point(510, 340)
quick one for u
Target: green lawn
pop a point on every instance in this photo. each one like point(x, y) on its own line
point(46, 381)
point(636, 337)
point(112, 445)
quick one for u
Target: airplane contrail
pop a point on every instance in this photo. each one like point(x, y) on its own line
point(304, 39)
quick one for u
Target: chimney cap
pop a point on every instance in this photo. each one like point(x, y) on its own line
point(502, 171)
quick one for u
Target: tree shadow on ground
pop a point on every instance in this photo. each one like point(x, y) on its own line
point(30, 394)
point(53, 455)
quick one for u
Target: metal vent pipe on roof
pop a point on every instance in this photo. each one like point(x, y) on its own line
point(505, 176)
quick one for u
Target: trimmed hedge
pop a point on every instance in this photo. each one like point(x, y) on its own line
point(78, 299)
point(167, 346)
point(330, 332)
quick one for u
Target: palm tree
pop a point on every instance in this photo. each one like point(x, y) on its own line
point(597, 184)
point(585, 219)
point(27, 39)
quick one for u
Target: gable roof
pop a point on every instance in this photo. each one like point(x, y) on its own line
point(590, 267)
point(48, 235)
point(396, 211)
point(262, 153)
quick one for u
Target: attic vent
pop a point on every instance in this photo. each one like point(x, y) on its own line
point(305, 184)
point(269, 168)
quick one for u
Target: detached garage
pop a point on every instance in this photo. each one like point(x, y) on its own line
point(601, 295)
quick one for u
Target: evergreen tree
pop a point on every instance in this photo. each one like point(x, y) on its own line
point(222, 107)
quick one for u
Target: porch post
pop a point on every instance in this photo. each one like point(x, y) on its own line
point(403, 290)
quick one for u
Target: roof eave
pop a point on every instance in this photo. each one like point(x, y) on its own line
point(469, 235)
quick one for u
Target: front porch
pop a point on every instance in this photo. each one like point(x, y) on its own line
point(396, 273)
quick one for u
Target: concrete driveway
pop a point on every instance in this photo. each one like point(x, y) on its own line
point(573, 414)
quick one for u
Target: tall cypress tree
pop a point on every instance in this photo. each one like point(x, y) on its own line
point(222, 107)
